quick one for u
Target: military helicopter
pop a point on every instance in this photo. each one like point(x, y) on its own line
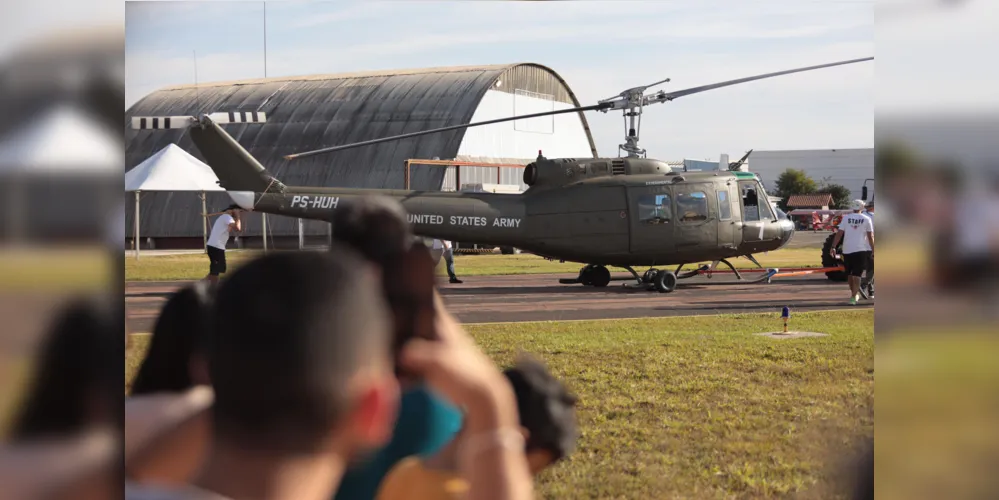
point(625, 212)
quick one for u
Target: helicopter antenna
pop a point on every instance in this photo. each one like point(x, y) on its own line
point(632, 102)
point(732, 167)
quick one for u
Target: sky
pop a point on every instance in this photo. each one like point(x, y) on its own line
point(599, 48)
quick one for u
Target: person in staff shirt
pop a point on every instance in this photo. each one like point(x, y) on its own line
point(856, 231)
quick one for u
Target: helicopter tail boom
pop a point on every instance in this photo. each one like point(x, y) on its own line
point(480, 217)
point(239, 173)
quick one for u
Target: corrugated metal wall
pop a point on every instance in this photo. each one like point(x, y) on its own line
point(848, 167)
point(312, 112)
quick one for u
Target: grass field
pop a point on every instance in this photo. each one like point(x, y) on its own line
point(194, 266)
point(65, 269)
point(698, 407)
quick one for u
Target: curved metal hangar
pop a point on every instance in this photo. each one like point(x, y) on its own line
point(316, 111)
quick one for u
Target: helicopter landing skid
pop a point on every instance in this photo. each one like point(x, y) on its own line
point(663, 281)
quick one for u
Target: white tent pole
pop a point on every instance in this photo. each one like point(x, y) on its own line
point(204, 222)
point(263, 219)
point(137, 224)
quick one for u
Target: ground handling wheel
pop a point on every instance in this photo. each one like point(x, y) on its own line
point(830, 261)
point(599, 276)
point(665, 281)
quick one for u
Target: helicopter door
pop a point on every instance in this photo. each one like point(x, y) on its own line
point(652, 221)
point(755, 211)
point(696, 218)
point(729, 229)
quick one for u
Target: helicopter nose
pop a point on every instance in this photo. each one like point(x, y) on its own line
point(786, 231)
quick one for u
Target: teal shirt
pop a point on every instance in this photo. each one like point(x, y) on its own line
point(425, 423)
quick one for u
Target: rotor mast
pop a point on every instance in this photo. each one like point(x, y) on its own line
point(631, 102)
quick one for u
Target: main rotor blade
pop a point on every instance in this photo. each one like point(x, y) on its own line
point(442, 129)
point(669, 96)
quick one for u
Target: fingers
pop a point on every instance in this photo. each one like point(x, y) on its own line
point(418, 355)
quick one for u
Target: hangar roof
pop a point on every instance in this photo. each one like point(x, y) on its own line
point(316, 111)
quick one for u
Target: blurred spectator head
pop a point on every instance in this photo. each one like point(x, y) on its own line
point(375, 226)
point(547, 413)
point(175, 361)
point(299, 356)
point(74, 373)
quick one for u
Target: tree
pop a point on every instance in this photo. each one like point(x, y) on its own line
point(841, 195)
point(793, 182)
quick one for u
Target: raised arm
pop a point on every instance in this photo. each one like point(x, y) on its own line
point(237, 223)
point(492, 456)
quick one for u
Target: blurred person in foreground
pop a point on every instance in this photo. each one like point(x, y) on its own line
point(856, 231)
point(228, 222)
point(63, 442)
point(301, 370)
point(174, 361)
point(378, 229)
point(547, 421)
point(172, 383)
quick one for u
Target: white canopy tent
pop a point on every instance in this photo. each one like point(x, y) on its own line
point(171, 169)
point(61, 141)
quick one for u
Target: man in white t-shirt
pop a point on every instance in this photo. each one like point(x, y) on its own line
point(867, 284)
point(448, 254)
point(856, 231)
point(217, 240)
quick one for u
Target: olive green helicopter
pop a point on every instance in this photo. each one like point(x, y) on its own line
point(624, 212)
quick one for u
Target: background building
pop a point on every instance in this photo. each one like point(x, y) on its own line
point(316, 111)
point(849, 167)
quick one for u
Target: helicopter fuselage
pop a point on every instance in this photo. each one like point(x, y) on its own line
point(638, 219)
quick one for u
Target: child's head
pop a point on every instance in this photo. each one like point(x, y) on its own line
point(547, 413)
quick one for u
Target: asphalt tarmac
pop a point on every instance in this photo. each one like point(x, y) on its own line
point(540, 297)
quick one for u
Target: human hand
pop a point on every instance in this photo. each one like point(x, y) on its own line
point(455, 367)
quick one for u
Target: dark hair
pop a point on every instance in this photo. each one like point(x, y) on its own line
point(546, 408)
point(863, 488)
point(73, 376)
point(180, 333)
point(290, 330)
point(375, 226)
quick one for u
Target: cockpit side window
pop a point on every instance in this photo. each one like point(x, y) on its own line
point(750, 201)
point(655, 208)
point(766, 207)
